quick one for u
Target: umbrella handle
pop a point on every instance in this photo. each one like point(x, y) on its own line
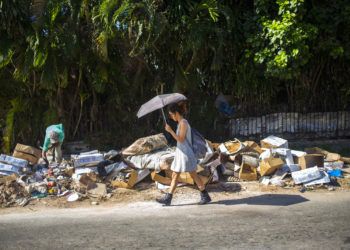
point(164, 116)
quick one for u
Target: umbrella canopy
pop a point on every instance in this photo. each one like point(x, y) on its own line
point(158, 102)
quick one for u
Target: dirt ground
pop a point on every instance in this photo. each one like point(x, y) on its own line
point(147, 191)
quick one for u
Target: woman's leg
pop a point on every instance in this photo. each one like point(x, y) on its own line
point(197, 180)
point(166, 199)
point(174, 181)
point(205, 198)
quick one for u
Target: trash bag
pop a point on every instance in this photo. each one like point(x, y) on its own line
point(146, 145)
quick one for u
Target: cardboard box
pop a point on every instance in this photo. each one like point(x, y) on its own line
point(184, 178)
point(323, 179)
point(32, 159)
point(28, 153)
point(129, 184)
point(231, 147)
point(9, 168)
point(273, 142)
point(270, 165)
point(13, 161)
point(298, 153)
point(285, 153)
point(28, 150)
point(306, 175)
point(310, 160)
point(88, 160)
point(250, 160)
point(247, 173)
point(328, 155)
point(135, 177)
point(252, 146)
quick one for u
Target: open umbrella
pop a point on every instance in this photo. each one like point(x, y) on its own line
point(159, 102)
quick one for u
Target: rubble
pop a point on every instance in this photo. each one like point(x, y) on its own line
point(94, 175)
point(11, 192)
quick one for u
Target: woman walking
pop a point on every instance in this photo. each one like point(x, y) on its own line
point(184, 160)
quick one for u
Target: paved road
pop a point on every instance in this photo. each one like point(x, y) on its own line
point(262, 221)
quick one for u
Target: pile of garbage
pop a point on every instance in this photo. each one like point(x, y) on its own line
point(274, 163)
point(11, 192)
point(95, 175)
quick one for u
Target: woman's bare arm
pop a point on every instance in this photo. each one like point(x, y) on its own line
point(182, 131)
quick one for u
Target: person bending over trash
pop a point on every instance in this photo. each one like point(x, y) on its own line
point(53, 140)
point(185, 159)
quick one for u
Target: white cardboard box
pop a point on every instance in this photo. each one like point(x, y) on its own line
point(14, 161)
point(274, 142)
point(306, 175)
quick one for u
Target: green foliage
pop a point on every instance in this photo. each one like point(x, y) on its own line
point(282, 42)
point(91, 64)
point(16, 107)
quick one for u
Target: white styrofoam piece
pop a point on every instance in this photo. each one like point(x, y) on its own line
point(324, 179)
point(306, 175)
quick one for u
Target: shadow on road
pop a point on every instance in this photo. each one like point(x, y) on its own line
point(266, 200)
point(227, 187)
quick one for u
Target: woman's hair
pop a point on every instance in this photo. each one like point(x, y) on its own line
point(179, 107)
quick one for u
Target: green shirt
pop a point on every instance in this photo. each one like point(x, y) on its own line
point(58, 128)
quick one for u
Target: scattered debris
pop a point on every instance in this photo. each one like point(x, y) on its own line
point(95, 175)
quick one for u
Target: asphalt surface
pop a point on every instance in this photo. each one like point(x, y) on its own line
point(261, 221)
